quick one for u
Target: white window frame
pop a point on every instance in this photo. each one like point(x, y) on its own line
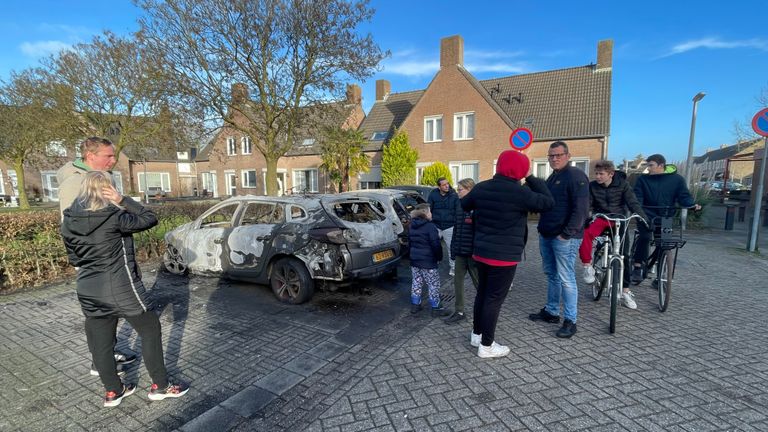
point(458, 166)
point(433, 128)
point(246, 145)
point(379, 136)
point(49, 193)
point(244, 177)
point(548, 169)
point(310, 187)
point(282, 171)
point(420, 170)
point(165, 180)
point(461, 122)
point(231, 146)
point(308, 142)
point(2, 183)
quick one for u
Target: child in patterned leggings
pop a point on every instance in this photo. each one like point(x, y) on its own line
point(426, 252)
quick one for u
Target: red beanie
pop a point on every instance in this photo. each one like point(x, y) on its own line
point(513, 164)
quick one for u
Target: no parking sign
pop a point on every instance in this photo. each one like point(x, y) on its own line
point(521, 138)
point(760, 122)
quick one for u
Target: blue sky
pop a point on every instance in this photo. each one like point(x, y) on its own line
point(664, 53)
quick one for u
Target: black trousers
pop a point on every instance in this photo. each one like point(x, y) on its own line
point(101, 333)
point(643, 243)
point(493, 286)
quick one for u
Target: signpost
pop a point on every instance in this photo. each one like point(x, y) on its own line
point(760, 126)
point(521, 138)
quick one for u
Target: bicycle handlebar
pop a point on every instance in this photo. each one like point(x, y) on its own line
point(619, 218)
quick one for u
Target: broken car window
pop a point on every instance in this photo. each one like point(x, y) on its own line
point(358, 212)
point(258, 213)
point(220, 218)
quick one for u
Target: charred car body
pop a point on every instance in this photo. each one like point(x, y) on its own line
point(287, 242)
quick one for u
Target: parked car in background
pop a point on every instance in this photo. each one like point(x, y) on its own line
point(396, 205)
point(155, 192)
point(715, 188)
point(423, 190)
point(288, 242)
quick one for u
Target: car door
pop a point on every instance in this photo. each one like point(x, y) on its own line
point(205, 242)
point(249, 245)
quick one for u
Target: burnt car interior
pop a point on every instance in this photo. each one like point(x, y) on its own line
point(356, 212)
point(262, 213)
point(221, 218)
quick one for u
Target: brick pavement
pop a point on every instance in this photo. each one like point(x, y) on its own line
point(256, 365)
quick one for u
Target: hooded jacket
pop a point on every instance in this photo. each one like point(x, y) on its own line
point(662, 190)
point(424, 240)
point(614, 198)
point(101, 243)
point(443, 207)
point(501, 206)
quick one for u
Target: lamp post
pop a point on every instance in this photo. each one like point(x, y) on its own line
point(689, 161)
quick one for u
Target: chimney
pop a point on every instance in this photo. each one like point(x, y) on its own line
point(451, 51)
point(239, 93)
point(383, 88)
point(354, 94)
point(605, 54)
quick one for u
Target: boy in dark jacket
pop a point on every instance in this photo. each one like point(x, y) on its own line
point(426, 252)
point(609, 193)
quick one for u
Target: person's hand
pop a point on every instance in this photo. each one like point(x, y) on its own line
point(561, 238)
point(112, 194)
point(696, 207)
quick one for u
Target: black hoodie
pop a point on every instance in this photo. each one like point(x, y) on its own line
point(101, 243)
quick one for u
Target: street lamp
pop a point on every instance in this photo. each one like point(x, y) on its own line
point(689, 161)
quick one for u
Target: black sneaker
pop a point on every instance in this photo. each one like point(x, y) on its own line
point(113, 399)
point(124, 358)
point(543, 315)
point(637, 275)
point(416, 308)
point(455, 317)
point(94, 372)
point(567, 330)
point(440, 312)
point(171, 391)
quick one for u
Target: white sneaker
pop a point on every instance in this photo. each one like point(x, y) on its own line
point(474, 339)
point(451, 272)
point(495, 350)
point(589, 274)
point(628, 300)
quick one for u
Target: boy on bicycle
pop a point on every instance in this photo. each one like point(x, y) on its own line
point(609, 193)
point(661, 187)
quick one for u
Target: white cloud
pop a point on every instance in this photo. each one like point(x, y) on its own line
point(43, 48)
point(410, 63)
point(411, 67)
point(495, 67)
point(717, 43)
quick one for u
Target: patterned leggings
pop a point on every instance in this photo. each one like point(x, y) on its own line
point(431, 278)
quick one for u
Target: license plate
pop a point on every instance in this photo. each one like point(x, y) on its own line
point(383, 255)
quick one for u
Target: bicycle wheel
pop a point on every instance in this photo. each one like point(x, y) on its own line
point(664, 274)
point(600, 272)
point(615, 281)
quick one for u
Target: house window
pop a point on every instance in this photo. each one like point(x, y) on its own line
point(541, 168)
point(2, 183)
point(433, 128)
point(208, 181)
point(117, 180)
point(231, 147)
point(245, 143)
point(379, 136)
point(50, 186)
point(420, 171)
point(370, 185)
point(462, 170)
point(308, 142)
point(304, 180)
point(463, 126)
point(154, 180)
point(249, 178)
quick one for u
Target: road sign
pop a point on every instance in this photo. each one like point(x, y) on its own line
point(521, 138)
point(760, 122)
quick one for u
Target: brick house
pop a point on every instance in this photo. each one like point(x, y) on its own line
point(711, 165)
point(465, 123)
point(231, 165)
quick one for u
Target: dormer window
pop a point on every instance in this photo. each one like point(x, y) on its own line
point(308, 142)
point(379, 136)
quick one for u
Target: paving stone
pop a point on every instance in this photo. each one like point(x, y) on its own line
point(249, 401)
point(279, 381)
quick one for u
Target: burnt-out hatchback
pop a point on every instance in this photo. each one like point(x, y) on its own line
point(287, 242)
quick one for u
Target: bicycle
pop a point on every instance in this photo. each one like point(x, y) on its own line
point(667, 236)
point(608, 261)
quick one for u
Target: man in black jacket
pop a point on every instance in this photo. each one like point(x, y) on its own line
point(560, 232)
point(444, 204)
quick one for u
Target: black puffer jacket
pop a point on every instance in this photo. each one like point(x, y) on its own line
point(462, 242)
point(424, 239)
point(570, 190)
point(614, 198)
point(101, 244)
point(443, 207)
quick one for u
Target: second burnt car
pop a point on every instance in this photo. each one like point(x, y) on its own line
point(288, 242)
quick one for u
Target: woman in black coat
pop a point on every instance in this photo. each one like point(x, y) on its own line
point(97, 231)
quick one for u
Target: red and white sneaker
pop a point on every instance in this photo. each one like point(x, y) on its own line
point(113, 399)
point(171, 391)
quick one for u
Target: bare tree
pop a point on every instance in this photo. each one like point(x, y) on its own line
point(285, 59)
point(742, 129)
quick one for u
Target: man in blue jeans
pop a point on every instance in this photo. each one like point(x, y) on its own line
point(560, 232)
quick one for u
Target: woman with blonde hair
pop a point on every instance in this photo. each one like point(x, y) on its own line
point(461, 248)
point(98, 234)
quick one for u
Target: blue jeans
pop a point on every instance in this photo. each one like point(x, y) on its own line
point(558, 257)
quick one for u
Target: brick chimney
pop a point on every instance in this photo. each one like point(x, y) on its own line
point(383, 88)
point(451, 51)
point(354, 94)
point(605, 54)
point(239, 93)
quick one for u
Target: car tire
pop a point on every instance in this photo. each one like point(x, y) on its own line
point(173, 261)
point(291, 282)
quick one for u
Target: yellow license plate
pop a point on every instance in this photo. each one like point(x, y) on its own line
point(383, 255)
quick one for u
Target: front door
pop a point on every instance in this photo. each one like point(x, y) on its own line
point(230, 179)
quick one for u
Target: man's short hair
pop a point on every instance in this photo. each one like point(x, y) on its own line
point(605, 165)
point(559, 144)
point(420, 211)
point(659, 159)
point(440, 180)
point(92, 144)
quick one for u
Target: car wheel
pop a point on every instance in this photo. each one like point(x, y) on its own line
point(173, 261)
point(291, 282)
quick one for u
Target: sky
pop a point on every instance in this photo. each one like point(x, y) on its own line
point(664, 54)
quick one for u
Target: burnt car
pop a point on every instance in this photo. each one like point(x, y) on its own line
point(287, 242)
point(423, 190)
point(396, 205)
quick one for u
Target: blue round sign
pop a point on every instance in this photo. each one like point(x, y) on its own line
point(760, 122)
point(521, 138)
